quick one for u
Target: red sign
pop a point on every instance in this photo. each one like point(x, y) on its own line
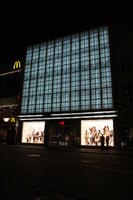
point(62, 123)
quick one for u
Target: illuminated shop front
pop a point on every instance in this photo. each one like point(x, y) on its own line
point(8, 122)
point(92, 130)
point(33, 132)
point(10, 78)
point(64, 79)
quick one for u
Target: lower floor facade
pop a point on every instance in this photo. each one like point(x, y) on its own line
point(92, 129)
point(69, 132)
point(8, 133)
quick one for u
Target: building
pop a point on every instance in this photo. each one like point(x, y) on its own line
point(122, 70)
point(67, 95)
point(10, 79)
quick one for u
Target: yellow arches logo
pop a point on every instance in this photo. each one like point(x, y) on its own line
point(17, 65)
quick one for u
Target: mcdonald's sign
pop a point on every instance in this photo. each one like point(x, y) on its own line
point(17, 65)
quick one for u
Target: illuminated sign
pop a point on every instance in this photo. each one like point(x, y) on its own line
point(17, 65)
point(62, 123)
point(13, 120)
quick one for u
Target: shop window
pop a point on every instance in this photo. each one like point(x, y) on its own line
point(93, 130)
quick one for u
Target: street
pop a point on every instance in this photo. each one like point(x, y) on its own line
point(37, 174)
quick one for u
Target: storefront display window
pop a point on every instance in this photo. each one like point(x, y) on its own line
point(33, 132)
point(92, 132)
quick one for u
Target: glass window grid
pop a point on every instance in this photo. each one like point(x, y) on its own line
point(63, 64)
point(29, 54)
point(28, 58)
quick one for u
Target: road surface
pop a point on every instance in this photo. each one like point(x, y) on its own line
point(38, 174)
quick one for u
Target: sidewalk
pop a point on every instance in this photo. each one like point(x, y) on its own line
point(92, 150)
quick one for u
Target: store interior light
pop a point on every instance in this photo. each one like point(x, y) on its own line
point(6, 119)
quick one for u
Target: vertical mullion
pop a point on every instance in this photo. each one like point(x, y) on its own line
point(70, 69)
point(45, 76)
point(89, 51)
point(30, 81)
point(100, 69)
point(53, 78)
point(95, 71)
point(37, 78)
point(61, 78)
point(110, 57)
point(79, 73)
point(106, 72)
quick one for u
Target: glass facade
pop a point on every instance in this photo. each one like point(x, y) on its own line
point(68, 74)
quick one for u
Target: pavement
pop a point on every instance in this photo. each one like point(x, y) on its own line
point(92, 150)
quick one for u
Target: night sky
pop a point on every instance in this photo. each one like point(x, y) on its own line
point(24, 24)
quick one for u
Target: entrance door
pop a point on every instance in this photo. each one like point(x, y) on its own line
point(63, 133)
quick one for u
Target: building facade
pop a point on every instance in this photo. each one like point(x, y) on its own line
point(122, 71)
point(67, 96)
point(10, 79)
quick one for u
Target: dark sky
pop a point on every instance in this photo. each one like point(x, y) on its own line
point(25, 24)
